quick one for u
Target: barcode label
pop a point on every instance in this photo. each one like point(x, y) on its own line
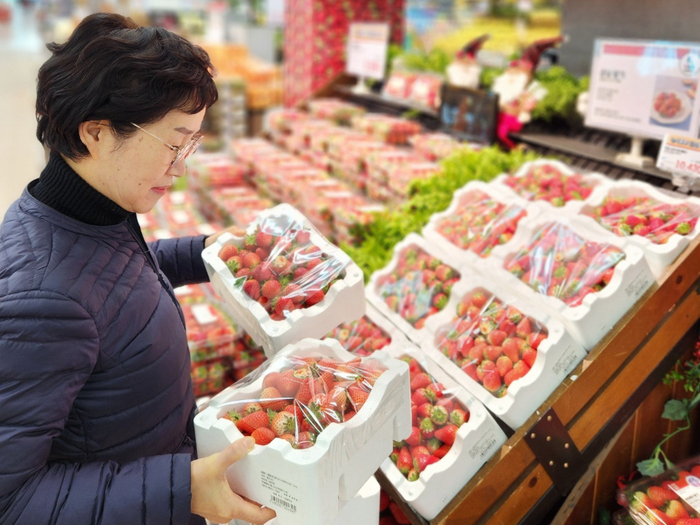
point(291, 507)
point(690, 493)
point(203, 314)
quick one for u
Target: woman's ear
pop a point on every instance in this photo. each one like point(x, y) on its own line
point(95, 135)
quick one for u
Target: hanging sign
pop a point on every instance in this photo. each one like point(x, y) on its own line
point(367, 48)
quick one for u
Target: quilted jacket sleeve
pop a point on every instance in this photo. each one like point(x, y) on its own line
point(48, 348)
point(181, 259)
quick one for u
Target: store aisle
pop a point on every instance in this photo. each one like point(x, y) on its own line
point(21, 54)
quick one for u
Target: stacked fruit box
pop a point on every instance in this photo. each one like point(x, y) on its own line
point(334, 418)
point(235, 206)
point(213, 170)
point(247, 356)
point(452, 436)
point(671, 498)
point(435, 146)
point(282, 121)
point(316, 34)
point(480, 218)
point(661, 225)
point(415, 285)
point(349, 222)
point(385, 164)
point(392, 130)
point(284, 279)
point(502, 349)
point(334, 109)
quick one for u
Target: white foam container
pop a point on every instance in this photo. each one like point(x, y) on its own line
point(310, 486)
point(569, 208)
point(475, 443)
point(456, 254)
point(557, 355)
point(375, 299)
point(363, 508)
point(598, 312)
point(659, 256)
point(344, 302)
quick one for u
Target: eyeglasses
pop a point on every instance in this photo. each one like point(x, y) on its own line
point(181, 152)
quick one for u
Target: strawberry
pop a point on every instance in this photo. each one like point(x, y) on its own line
point(491, 378)
point(439, 301)
point(660, 495)
point(293, 292)
point(303, 237)
point(439, 415)
point(383, 500)
point(427, 428)
point(419, 397)
point(676, 510)
point(447, 433)
point(641, 502)
point(283, 423)
point(444, 272)
point(300, 272)
point(271, 399)
point(434, 391)
point(263, 435)
point(425, 410)
point(458, 417)
point(271, 379)
point(478, 299)
point(305, 439)
point(271, 289)
point(252, 421)
point(529, 356)
point(492, 353)
point(358, 397)
point(405, 461)
point(280, 265)
point(688, 521)
point(262, 272)
point(446, 403)
point(314, 297)
point(287, 384)
point(504, 365)
point(415, 438)
point(496, 337)
point(511, 349)
point(523, 328)
point(442, 451)
point(420, 461)
point(249, 408)
point(535, 338)
point(264, 239)
point(657, 517)
point(263, 253)
point(420, 380)
point(227, 252)
point(398, 514)
point(234, 264)
point(243, 272)
point(433, 444)
point(252, 288)
point(284, 306)
point(413, 474)
point(251, 260)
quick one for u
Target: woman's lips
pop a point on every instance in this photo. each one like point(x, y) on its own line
point(160, 189)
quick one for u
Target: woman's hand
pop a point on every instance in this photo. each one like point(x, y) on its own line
point(235, 230)
point(213, 499)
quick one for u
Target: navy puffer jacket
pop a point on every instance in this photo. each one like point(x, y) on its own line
point(96, 401)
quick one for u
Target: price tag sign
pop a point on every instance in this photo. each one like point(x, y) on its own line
point(367, 47)
point(680, 155)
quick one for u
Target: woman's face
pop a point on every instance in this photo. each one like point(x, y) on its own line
point(139, 169)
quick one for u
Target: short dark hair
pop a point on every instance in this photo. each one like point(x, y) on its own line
point(112, 69)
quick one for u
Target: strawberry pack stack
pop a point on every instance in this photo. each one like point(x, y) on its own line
point(323, 419)
point(284, 281)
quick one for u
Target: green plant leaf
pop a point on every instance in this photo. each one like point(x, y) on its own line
point(651, 467)
point(675, 410)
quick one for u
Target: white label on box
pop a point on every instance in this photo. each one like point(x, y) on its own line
point(367, 47)
point(482, 447)
point(283, 491)
point(680, 154)
point(565, 363)
point(203, 314)
point(638, 284)
point(644, 88)
point(690, 493)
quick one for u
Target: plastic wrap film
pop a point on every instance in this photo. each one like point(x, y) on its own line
point(416, 284)
point(558, 262)
point(323, 420)
point(285, 270)
point(550, 181)
point(479, 223)
point(646, 217)
point(671, 498)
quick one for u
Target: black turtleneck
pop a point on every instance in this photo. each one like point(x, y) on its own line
point(61, 188)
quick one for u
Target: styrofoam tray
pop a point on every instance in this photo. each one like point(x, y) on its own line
point(467, 257)
point(600, 311)
point(570, 207)
point(363, 508)
point(344, 302)
point(659, 256)
point(476, 442)
point(412, 239)
point(557, 355)
point(310, 486)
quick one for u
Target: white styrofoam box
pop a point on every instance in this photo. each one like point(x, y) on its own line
point(467, 257)
point(363, 508)
point(476, 441)
point(412, 239)
point(557, 355)
point(598, 312)
point(309, 486)
point(659, 256)
point(571, 207)
point(344, 302)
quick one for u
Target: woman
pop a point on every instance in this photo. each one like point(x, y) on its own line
point(96, 402)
